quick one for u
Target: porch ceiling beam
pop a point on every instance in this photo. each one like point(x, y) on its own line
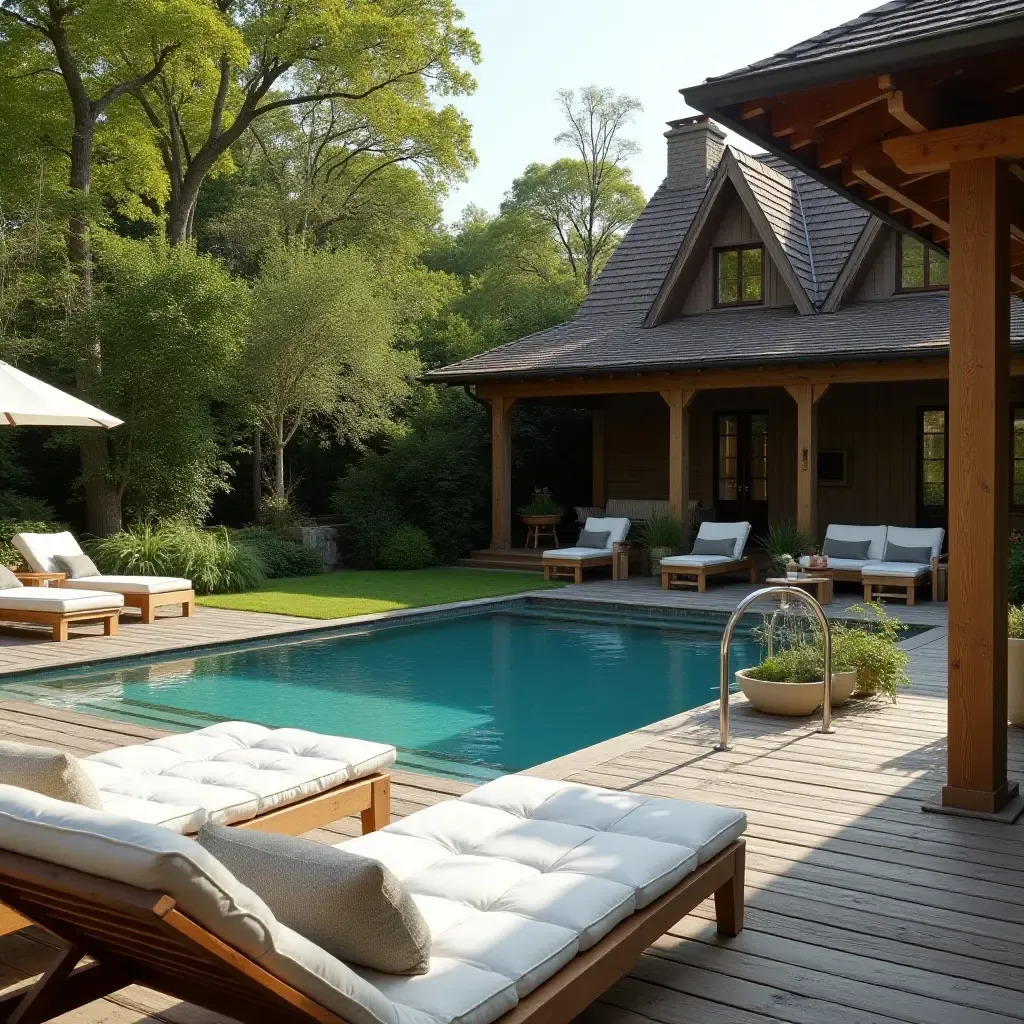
point(788, 113)
point(931, 152)
point(876, 170)
point(752, 377)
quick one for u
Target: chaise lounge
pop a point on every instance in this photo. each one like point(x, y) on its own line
point(538, 896)
point(718, 548)
point(611, 532)
point(55, 552)
point(238, 773)
point(57, 609)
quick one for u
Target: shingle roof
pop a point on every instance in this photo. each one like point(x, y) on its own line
point(909, 29)
point(632, 276)
point(910, 326)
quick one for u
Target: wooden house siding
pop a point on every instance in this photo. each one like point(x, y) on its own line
point(878, 277)
point(735, 228)
point(636, 446)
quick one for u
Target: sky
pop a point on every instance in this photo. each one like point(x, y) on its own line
point(649, 49)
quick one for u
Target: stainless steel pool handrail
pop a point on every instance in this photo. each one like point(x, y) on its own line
point(724, 680)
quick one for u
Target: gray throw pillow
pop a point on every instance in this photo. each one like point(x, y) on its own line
point(593, 538)
point(8, 580)
point(78, 567)
point(351, 906)
point(917, 556)
point(855, 549)
point(714, 546)
point(48, 771)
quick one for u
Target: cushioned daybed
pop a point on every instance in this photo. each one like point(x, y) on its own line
point(538, 896)
point(692, 570)
point(57, 609)
point(239, 773)
point(572, 561)
point(43, 552)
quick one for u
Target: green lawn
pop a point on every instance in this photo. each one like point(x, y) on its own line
point(338, 595)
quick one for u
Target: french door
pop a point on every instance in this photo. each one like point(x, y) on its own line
point(933, 467)
point(741, 468)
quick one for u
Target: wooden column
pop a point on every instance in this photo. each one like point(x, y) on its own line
point(979, 466)
point(807, 397)
point(501, 472)
point(678, 401)
point(599, 496)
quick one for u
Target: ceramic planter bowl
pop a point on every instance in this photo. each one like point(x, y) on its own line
point(1015, 682)
point(548, 520)
point(794, 699)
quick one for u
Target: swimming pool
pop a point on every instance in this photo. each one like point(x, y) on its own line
point(471, 696)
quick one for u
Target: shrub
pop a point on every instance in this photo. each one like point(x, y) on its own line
point(279, 513)
point(24, 506)
point(662, 532)
point(1015, 622)
point(408, 547)
point(435, 476)
point(783, 540)
point(279, 556)
point(207, 557)
point(541, 503)
point(9, 554)
point(802, 664)
point(1016, 572)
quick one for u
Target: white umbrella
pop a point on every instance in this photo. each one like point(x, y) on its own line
point(27, 402)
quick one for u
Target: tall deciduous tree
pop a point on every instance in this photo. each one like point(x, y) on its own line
point(99, 55)
point(590, 199)
point(321, 346)
point(390, 56)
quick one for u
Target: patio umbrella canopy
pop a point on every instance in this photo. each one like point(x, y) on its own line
point(28, 402)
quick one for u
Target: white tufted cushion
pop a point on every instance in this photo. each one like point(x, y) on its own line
point(695, 561)
point(57, 600)
point(519, 875)
point(227, 773)
point(901, 570)
point(916, 537)
point(130, 584)
point(586, 554)
point(615, 526)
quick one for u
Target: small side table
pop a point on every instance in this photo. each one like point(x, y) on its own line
point(41, 579)
point(534, 532)
point(819, 584)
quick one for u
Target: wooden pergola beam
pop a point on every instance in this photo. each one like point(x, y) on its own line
point(501, 471)
point(678, 401)
point(933, 152)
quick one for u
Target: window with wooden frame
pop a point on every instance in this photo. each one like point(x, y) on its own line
point(919, 268)
point(1017, 454)
point(934, 478)
point(739, 275)
point(834, 468)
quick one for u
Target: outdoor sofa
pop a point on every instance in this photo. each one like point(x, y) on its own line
point(239, 773)
point(57, 609)
point(884, 566)
point(43, 553)
point(693, 570)
point(537, 895)
point(572, 561)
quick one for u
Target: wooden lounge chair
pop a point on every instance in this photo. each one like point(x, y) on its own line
point(895, 577)
point(57, 609)
point(146, 593)
point(210, 942)
point(179, 781)
point(693, 570)
point(572, 561)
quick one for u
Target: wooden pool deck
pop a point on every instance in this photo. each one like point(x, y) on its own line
point(860, 907)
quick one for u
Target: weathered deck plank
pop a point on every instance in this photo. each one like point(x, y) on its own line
point(861, 908)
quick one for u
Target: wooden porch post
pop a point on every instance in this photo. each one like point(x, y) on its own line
point(678, 400)
point(599, 496)
point(807, 397)
point(979, 373)
point(501, 472)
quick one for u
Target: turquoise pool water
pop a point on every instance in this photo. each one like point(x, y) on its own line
point(471, 697)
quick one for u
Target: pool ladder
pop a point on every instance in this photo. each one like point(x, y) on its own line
point(785, 593)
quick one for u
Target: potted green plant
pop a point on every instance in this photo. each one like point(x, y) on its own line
point(790, 681)
point(1015, 665)
point(873, 651)
point(541, 509)
point(662, 536)
point(784, 541)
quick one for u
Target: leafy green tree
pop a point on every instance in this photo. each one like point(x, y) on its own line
point(587, 201)
point(321, 344)
point(363, 72)
point(99, 52)
point(170, 324)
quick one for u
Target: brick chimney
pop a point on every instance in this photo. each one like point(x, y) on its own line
point(695, 146)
